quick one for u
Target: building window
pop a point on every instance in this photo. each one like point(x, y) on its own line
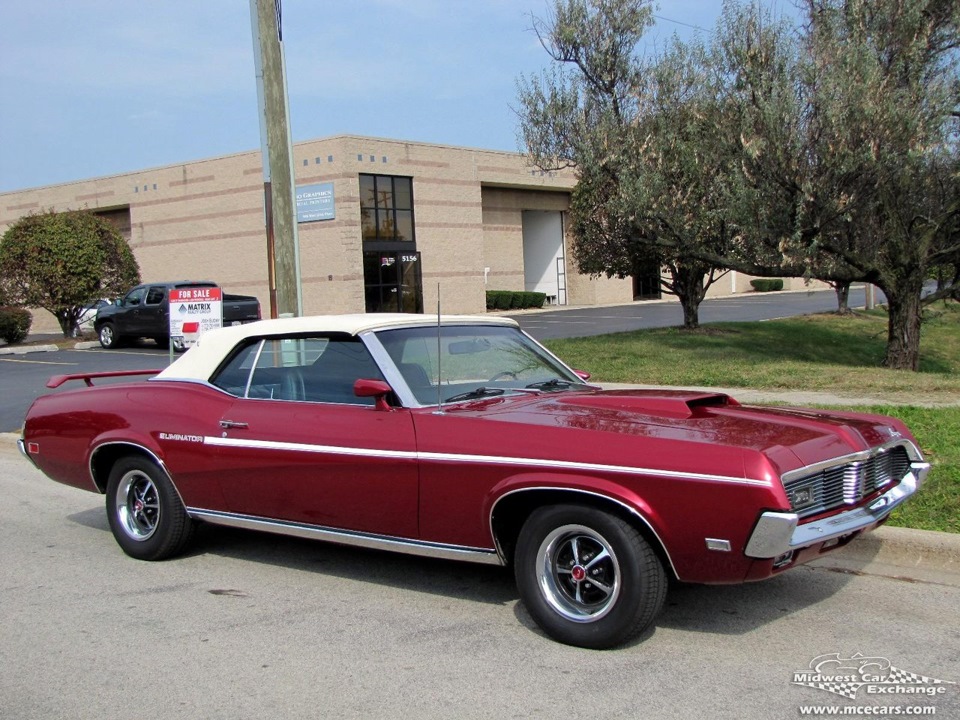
point(386, 209)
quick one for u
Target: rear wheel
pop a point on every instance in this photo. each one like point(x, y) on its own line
point(146, 516)
point(587, 577)
point(108, 336)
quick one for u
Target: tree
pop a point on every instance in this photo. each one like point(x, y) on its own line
point(827, 151)
point(640, 136)
point(62, 261)
point(866, 103)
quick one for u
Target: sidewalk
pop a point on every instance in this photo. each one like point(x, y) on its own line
point(800, 398)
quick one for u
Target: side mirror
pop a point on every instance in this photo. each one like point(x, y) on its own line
point(378, 389)
point(582, 374)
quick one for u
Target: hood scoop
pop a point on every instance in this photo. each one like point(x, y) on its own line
point(674, 404)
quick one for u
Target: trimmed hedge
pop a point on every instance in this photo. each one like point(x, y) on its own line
point(14, 324)
point(767, 284)
point(514, 300)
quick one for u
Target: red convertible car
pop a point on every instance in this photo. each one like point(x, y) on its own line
point(463, 438)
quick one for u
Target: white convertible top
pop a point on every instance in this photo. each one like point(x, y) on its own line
point(199, 362)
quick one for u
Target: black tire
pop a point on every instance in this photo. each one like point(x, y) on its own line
point(162, 341)
point(107, 334)
point(145, 512)
point(586, 577)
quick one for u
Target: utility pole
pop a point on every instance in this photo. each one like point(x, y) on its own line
point(283, 245)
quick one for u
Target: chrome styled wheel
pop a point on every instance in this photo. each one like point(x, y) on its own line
point(137, 505)
point(586, 576)
point(146, 514)
point(578, 573)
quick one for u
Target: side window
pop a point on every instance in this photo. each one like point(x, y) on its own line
point(135, 296)
point(305, 369)
point(235, 375)
point(155, 295)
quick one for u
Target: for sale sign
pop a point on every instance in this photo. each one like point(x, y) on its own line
point(193, 311)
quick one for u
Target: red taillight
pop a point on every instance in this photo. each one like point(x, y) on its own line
point(33, 448)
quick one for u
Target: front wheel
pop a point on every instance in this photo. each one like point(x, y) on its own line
point(146, 516)
point(587, 577)
point(108, 336)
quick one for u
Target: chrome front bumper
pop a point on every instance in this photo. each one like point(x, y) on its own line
point(778, 533)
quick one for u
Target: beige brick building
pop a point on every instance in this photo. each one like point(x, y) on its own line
point(395, 220)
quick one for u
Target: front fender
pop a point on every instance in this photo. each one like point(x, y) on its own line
point(510, 500)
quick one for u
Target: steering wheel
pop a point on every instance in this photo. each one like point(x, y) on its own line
point(506, 375)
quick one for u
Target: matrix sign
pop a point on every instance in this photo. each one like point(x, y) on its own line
point(193, 311)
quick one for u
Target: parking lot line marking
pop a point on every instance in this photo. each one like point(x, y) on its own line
point(34, 362)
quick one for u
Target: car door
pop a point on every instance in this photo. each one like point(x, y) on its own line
point(298, 446)
point(128, 322)
point(153, 319)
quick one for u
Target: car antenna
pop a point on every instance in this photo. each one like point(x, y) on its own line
point(439, 410)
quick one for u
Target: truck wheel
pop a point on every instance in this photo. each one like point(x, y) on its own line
point(587, 577)
point(145, 513)
point(108, 336)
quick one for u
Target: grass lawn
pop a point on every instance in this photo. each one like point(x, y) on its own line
point(818, 352)
point(937, 505)
point(813, 352)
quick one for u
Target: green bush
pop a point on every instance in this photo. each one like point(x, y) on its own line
point(767, 284)
point(514, 299)
point(498, 299)
point(14, 324)
point(534, 299)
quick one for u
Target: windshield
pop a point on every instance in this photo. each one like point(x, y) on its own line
point(475, 362)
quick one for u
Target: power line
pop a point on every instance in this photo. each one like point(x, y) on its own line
point(678, 22)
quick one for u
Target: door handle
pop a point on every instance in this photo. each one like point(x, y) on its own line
point(227, 424)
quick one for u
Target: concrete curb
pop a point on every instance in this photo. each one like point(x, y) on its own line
point(24, 349)
point(903, 553)
point(917, 555)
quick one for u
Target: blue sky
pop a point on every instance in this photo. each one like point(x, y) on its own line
point(100, 87)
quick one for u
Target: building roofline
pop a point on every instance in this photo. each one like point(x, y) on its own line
point(227, 156)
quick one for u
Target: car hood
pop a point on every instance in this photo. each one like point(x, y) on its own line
point(789, 437)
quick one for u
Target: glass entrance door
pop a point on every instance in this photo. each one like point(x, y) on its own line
point(392, 282)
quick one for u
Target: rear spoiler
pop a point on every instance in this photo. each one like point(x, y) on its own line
point(58, 380)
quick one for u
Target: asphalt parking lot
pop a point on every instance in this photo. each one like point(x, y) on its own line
point(250, 626)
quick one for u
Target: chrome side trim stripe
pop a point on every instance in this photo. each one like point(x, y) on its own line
point(484, 459)
point(309, 448)
point(349, 537)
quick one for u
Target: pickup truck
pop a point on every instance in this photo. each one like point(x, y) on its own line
point(145, 312)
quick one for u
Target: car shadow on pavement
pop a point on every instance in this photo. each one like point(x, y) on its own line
point(741, 609)
point(711, 609)
point(470, 581)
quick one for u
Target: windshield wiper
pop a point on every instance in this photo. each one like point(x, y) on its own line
point(552, 384)
point(474, 394)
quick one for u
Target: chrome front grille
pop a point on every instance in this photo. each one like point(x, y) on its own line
point(847, 483)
